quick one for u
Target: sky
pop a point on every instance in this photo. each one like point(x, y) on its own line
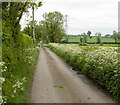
point(83, 15)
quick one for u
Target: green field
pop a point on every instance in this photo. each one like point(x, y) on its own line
point(93, 39)
point(105, 45)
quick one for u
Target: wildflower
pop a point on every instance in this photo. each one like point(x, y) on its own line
point(24, 79)
point(1, 100)
point(22, 88)
point(12, 95)
point(14, 91)
point(2, 63)
point(2, 79)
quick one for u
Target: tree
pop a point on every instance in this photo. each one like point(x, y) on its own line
point(89, 33)
point(14, 44)
point(99, 34)
point(29, 30)
point(98, 39)
point(84, 34)
point(81, 40)
point(84, 40)
point(115, 36)
point(107, 35)
point(53, 26)
point(12, 37)
point(12, 13)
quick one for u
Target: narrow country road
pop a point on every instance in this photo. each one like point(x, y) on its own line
point(55, 82)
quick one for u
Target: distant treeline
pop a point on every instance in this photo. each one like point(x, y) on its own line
point(89, 43)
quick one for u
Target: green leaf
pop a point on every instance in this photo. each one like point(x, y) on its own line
point(58, 86)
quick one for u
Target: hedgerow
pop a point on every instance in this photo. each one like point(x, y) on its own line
point(18, 64)
point(99, 64)
point(18, 53)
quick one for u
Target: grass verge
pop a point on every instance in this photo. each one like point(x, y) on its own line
point(16, 87)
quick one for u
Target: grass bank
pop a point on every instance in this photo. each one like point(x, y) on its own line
point(15, 89)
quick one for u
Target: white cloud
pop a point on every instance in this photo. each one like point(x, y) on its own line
point(83, 15)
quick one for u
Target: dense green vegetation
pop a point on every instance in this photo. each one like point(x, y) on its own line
point(99, 64)
point(18, 54)
point(38, 30)
point(48, 30)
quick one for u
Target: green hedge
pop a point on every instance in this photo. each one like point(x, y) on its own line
point(19, 58)
point(99, 64)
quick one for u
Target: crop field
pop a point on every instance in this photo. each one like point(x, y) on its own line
point(98, 63)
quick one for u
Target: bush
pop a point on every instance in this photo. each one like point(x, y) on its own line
point(27, 41)
point(83, 44)
point(101, 44)
point(19, 58)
